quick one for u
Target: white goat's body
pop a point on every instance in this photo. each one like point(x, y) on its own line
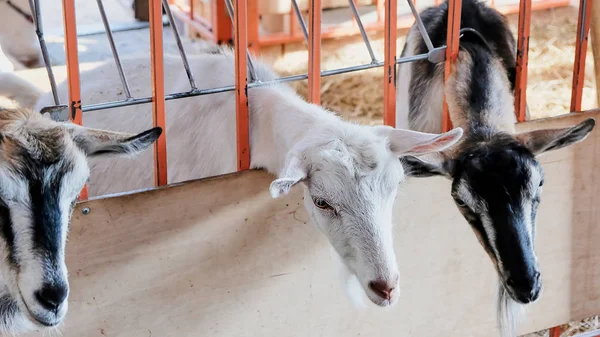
point(201, 139)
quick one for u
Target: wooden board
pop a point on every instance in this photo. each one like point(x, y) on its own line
point(219, 257)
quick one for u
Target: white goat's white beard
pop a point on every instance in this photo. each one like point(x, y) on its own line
point(509, 313)
point(350, 283)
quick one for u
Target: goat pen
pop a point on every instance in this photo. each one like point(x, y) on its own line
point(155, 263)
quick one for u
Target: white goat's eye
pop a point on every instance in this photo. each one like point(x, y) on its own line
point(321, 203)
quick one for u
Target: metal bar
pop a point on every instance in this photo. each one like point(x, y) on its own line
point(72, 60)
point(34, 5)
point(389, 68)
point(241, 86)
point(249, 59)
point(522, 60)
point(158, 91)
point(420, 25)
point(301, 20)
point(452, 42)
point(184, 58)
point(192, 10)
point(113, 48)
point(361, 27)
point(144, 100)
point(314, 52)
point(583, 29)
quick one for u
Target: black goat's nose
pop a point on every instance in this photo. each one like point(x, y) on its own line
point(52, 296)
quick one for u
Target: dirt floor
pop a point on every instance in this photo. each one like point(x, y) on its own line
point(359, 96)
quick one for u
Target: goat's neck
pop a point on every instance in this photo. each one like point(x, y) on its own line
point(280, 119)
point(494, 108)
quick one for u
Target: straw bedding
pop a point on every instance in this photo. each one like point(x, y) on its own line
point(359, 96)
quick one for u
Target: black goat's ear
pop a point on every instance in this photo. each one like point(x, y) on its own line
point(415, 167)
point(540, 141)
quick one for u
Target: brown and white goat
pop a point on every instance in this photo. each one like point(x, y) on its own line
point(496, 179)
point(43, 167)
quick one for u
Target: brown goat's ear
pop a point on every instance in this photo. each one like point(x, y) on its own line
point(94, 142)
point(540, 141)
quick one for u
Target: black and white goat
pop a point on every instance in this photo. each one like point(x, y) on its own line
point(496, 179)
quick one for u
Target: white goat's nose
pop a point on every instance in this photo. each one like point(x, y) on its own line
point(382, 288)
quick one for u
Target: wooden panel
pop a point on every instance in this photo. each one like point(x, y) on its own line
point(219, 257)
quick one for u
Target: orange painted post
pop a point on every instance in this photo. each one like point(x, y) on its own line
point(389, 63)
point(452, 43)
point(241, 85)
point(221, 23)
point(253, 29)
point(314, 51)
point(72, 58)
point(522, 60)
point(556, 331)
point(158, 91)
point(583, 29)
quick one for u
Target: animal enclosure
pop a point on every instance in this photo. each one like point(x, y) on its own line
point(204, 267)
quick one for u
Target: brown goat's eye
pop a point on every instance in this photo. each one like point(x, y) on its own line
point(321, 203)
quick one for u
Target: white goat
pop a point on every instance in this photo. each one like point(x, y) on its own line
point(496, 180)
point(350, 172)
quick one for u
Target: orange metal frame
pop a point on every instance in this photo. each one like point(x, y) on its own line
point(389, 65)
point(217, 27)
point(522, 59)
point(158, 91)
point(241, 85)
point(452, 45)
point(314, 52)
point(583, 29)
point(72, 58)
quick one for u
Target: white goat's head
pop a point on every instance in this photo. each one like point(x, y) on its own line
point(17, 34)
point(43, 168)
point(351, 175)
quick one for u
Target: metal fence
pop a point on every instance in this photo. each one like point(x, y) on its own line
point(242, 17)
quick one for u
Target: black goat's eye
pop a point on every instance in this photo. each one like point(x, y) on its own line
point(459, 202)
point(321, 203)
point(541, 183)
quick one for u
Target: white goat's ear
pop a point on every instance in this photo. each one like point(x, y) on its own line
point(407, 142)
point(293, 173)
point(545, 140)
point(94, 142)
